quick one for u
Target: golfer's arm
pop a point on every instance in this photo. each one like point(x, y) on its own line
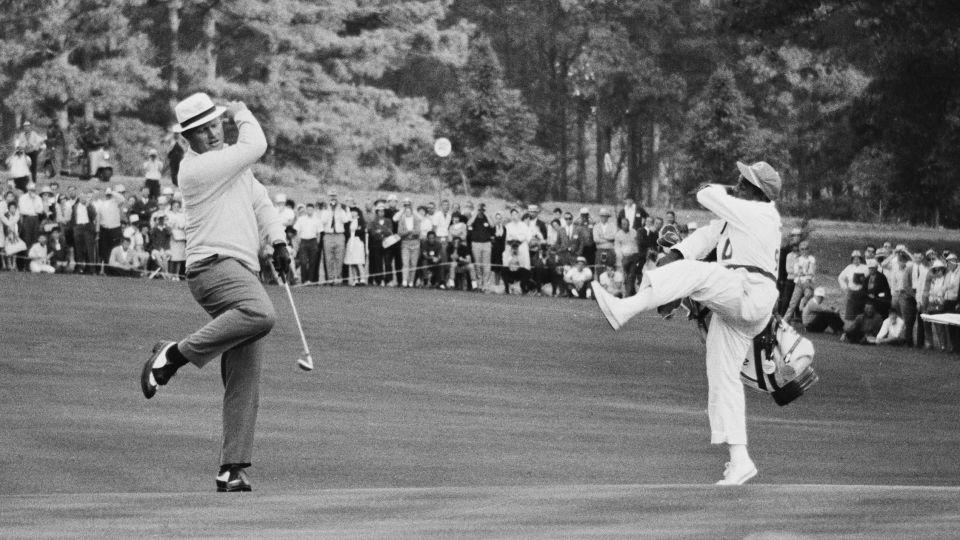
point(716, 199)
point(268, 219)
point(221, 166)
point(701, 241)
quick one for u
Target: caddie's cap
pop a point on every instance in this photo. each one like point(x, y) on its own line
point(582, 259)
point(605, 212)
point(872, 263)
point(195, 111)
point(819, 291)
point(762, 175)
point(584, 210)
point(856, 253)
point(167, 191)
point(795, 231)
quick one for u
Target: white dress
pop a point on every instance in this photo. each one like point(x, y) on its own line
point(354, 252)
point(178, 236)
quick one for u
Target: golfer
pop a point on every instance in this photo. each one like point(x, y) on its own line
point(227, 212)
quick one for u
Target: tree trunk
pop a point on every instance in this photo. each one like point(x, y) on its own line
point(560, 193)
point(173, 49)
point(654, 171)
point(210, 50)
point(604, 190)
point(634, 158)
point(582, 150)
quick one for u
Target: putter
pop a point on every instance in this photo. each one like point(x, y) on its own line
point(305, 362)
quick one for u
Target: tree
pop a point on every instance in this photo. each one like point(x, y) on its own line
point(492, 131)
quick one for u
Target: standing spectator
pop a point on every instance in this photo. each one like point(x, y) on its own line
point(177, 220)
point(951, 286)
point(612, 281)
point(408, 227)
point(381, 261)
point(636, 216)
point(903, 292)
point(567, 241)
point(480, 234)
point(578, 278)
point(64, 212)
point(498, 246)
point(518, 238)
point(817, 317)
point(851, 281)
point(792, 242)
point(160, 239)
point(604, 234)
point(441, 222)
point(459, 228)
point(355, 257)
point(586, 246)
point(804, 272)
point(83, 222)
point(39, 257)
point(932, 302)
point(891, 331)
point(646, 242)
point(174, 157)
point(789, 285)
point(513, 270)
point(541, 225)
point(13, 241)
point(109, 225)
point(334, 221)
point(32, 143)
point(625, 246)
point(18, 166)
point(876, 288)
point(394, 252)
point(31, 212)
point(308, 252)
point(921, 269)
point(152, 168)
point(865, 327)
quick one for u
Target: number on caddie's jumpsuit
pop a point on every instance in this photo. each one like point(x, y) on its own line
point(727, 251)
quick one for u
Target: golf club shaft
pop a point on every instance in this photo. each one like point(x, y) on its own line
point(293, 307)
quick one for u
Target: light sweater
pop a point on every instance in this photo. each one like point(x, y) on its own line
point(228, 211)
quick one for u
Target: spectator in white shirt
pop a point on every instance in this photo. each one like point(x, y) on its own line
point(152, 168)
point(334, 220)
point(31, 211)
point(308, 253)
point(124, 260)
point(612, 281)
point(604, 235)
point(109, 222)
point(852, 280)
point(891, 331)
point(803, 272)
point(18, 166)
point(39, 258)
point(578, 278)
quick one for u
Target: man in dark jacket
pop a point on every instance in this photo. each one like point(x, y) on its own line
point(83, 220)
point(877, 288)
point(480, 234)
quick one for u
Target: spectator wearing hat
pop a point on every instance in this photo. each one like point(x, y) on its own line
point(480, 231)
point(498, 245)
point(567, 240)
point(864, 327)
point(152, 169)
point(518, 240)
point(851, 281)
point(586, 246)
point(891, 331)
point(381, 261)
point(441, 219)
point(604, 236)
point(951, 286)
point(32, 143)
point(177, 220)
point(635, 215)
point(932, 303)
point(922, 264)
point(817, 317)
point(40, 257)
point(18, 167)
point(790, 245)
point(804, 272)
point(877, 288)
point(902, 291)
point(541, 225)
point(578, 278)
point(788, 287)
point(408, 227)
point(308, 252)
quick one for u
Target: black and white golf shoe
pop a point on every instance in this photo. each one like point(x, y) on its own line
point(157, 370)
point(232, 479)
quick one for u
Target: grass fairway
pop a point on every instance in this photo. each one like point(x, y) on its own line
point(451, 414)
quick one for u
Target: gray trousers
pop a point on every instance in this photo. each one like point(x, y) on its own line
point(242, 314)
point(333, 244)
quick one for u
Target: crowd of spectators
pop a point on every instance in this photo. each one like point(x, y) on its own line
point(884, 289)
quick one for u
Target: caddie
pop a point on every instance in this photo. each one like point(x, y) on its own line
point(227, 212)
point(740, 288)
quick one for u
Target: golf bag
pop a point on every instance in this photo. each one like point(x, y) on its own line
point(780, 362)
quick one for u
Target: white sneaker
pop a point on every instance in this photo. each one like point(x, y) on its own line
point(607, 303)
point(737, 475)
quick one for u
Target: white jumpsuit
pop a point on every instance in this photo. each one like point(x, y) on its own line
point(742, 300)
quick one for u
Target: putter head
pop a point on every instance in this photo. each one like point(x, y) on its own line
point(305, 362)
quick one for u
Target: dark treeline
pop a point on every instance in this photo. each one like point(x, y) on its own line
point(856, 103)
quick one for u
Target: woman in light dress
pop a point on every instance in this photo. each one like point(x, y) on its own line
point(355, 256)
point(177, 220)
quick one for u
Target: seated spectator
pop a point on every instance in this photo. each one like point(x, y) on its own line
point(39, 257)
point(547, 270)
point(892, 329)
point(160, 235)
point(514, 270)
point(460, 265)
point(58, 251)
point(817, 317)
point(123, 261)
point(611, 280)
point(864, 327)
point(578, 278)
point(431, 257)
